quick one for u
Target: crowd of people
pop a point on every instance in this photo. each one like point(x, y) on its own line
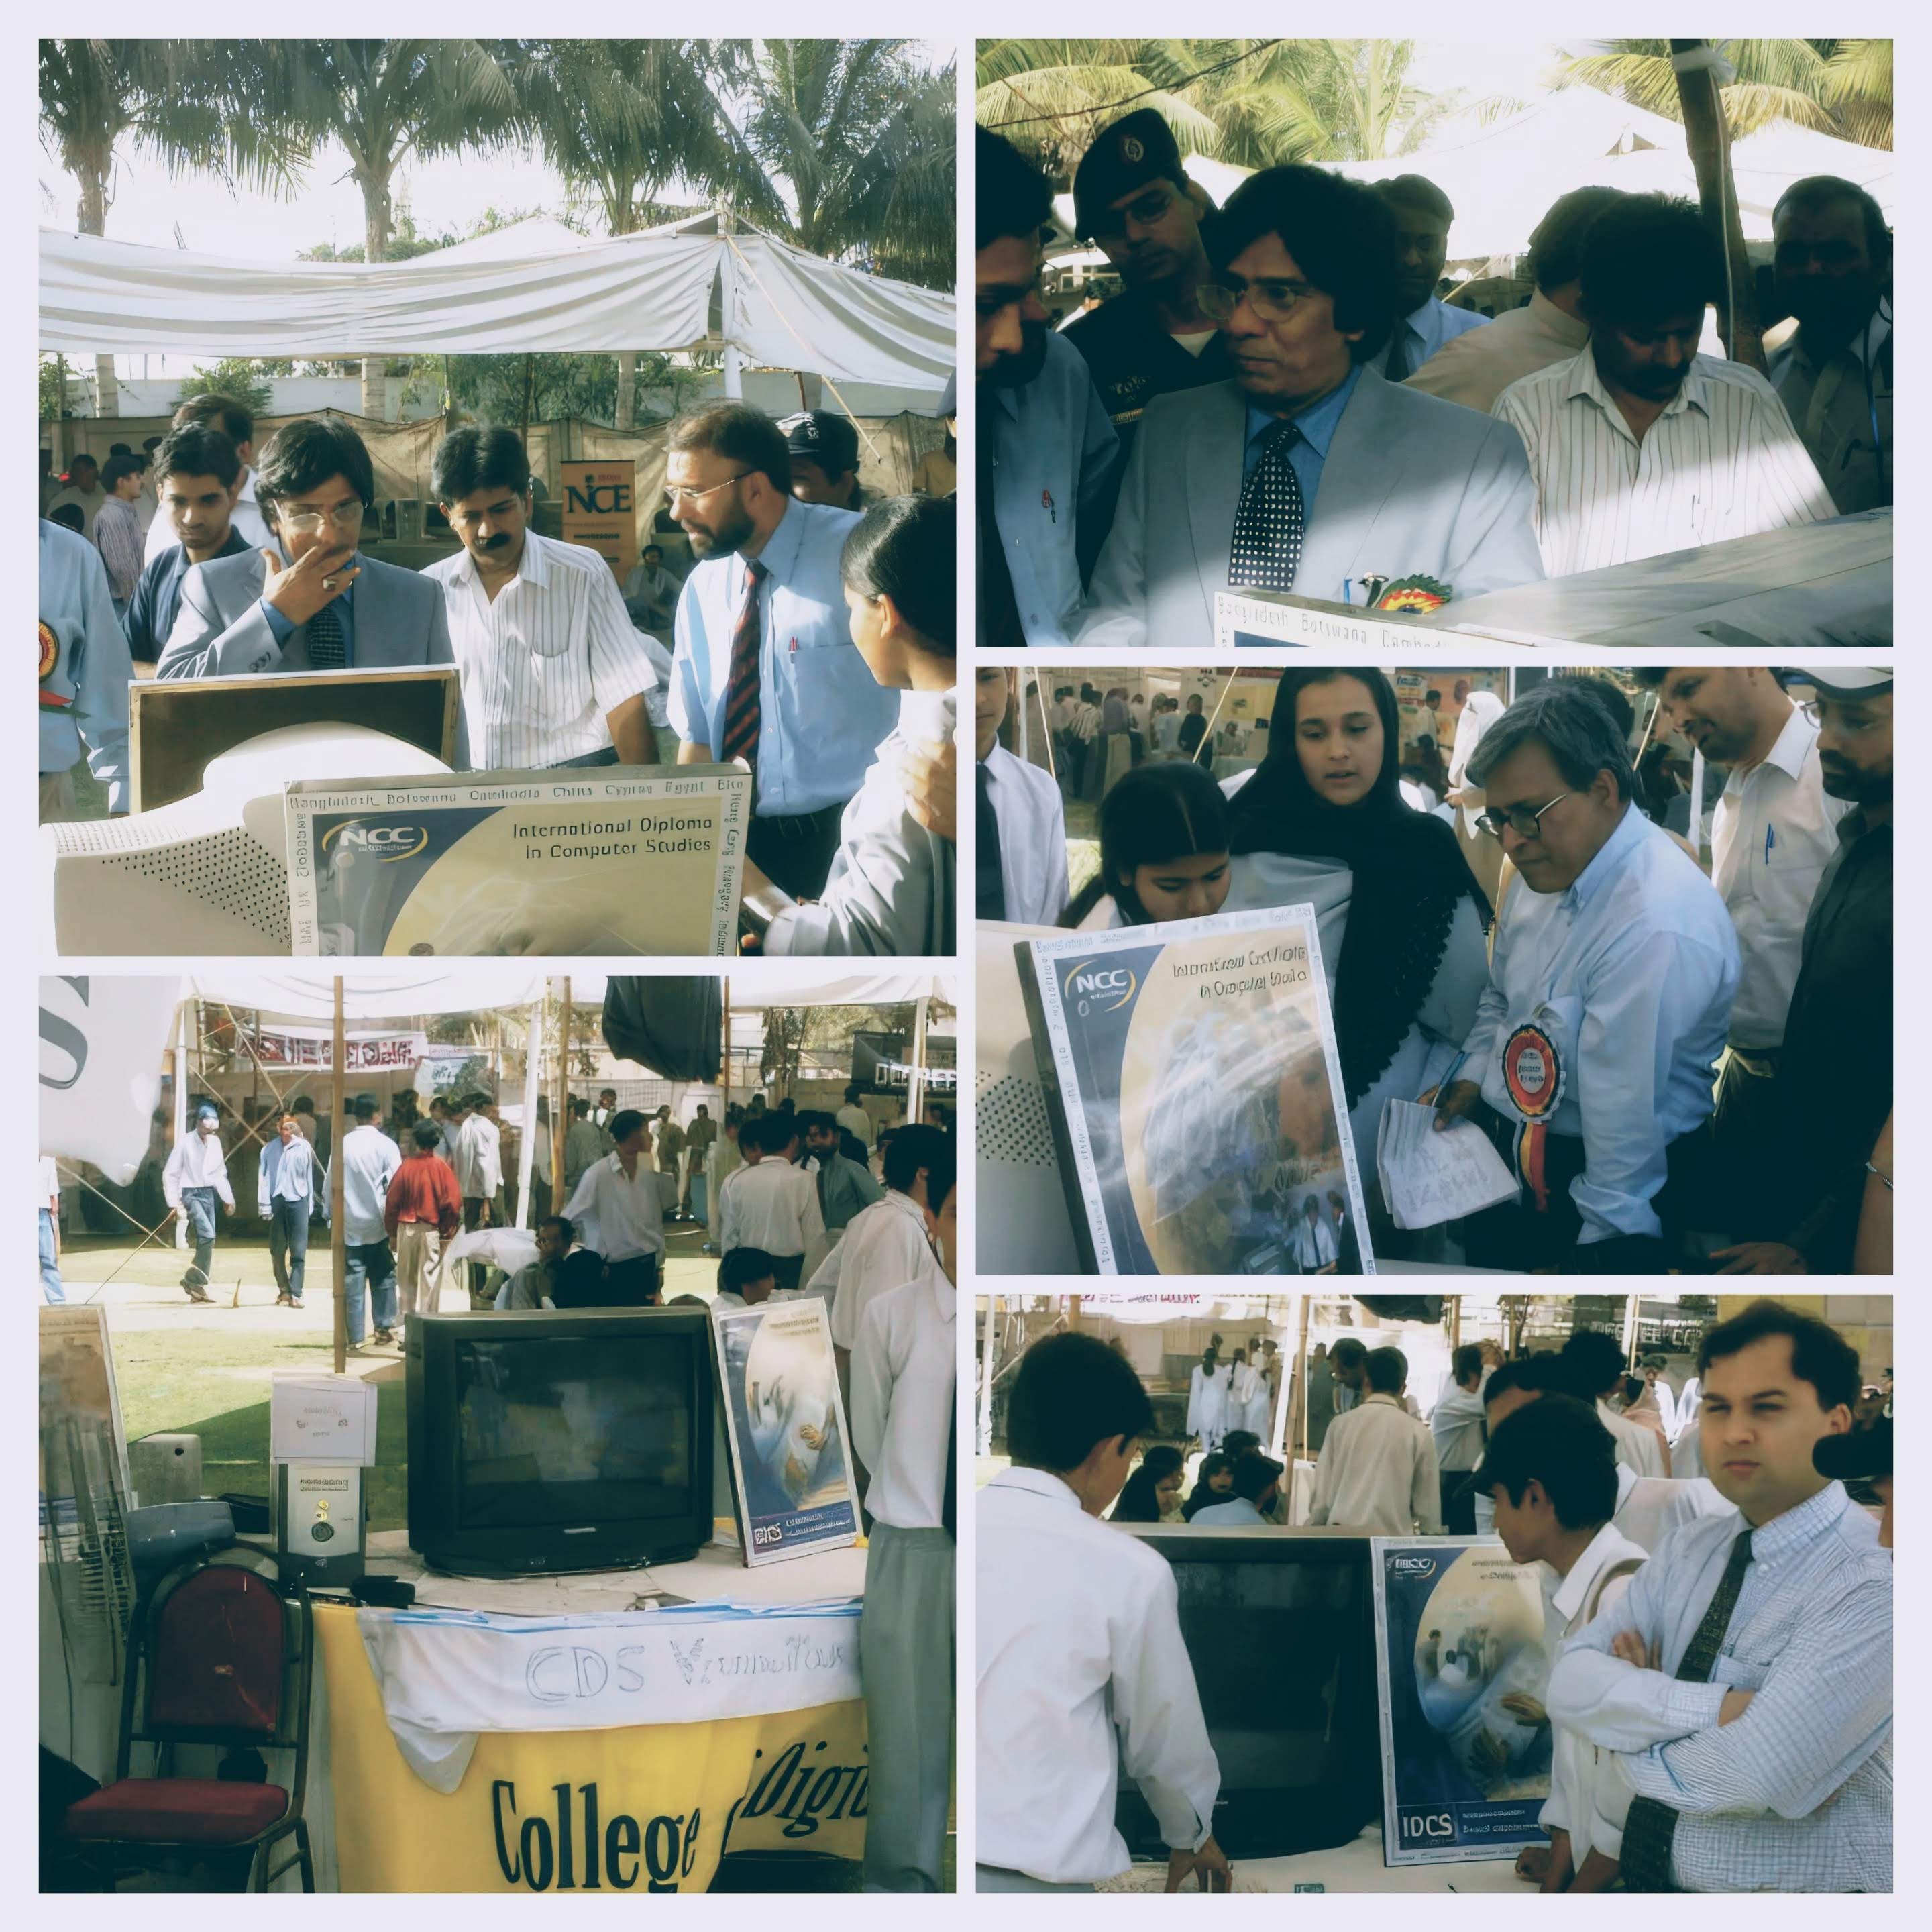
point(1682, 1069)
point(1719, 1644)
point(812, 638)
point(1281, 399)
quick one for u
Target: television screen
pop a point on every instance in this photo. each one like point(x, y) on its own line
point(1280, 1629)
point(558, 1429)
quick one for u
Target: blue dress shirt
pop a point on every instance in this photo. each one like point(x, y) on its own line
point(1795, 1794)
point(1310, 449)
point(77, 605)
point(1056, 460)
point(151, 613)
point(289, 1173)
point(1236, 1514)
point(821, 713)
point(1426, 329)
point(1630, 972)
point(344, 607)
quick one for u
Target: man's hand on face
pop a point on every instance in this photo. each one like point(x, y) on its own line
point(317, 578)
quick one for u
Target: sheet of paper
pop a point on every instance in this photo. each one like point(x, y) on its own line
point(1429, 1177)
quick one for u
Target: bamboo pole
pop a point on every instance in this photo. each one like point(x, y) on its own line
point(338, 1234)
point(180, 1105)
point(916, 1112)
point(1302, 1370)
point(560, 1117)
point(983, 1433)
point(1709, 140)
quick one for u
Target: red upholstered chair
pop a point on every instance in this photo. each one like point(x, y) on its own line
point(221, 1657)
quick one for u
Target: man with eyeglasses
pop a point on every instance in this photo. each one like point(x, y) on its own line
point(1048, 458)
point(765, 668)
point(1309, 472)
point(553, 674)
point(1774, 831)
point(1832, 1093)
point(1611, 981)
point(311, 602)
point(1133, 199)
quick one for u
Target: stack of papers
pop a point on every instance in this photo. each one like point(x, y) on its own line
point(1429, 1177)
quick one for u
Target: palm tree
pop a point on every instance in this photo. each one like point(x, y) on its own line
point(384, 100)
point(622, 120)
point(175, 100)
point(863, 137)
point(1837, 87)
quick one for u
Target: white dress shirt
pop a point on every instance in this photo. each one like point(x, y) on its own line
point(197, 1161)
point(1455, 1426)
point(545, 663)
point(1588, 1793)
point(772, 1205)
point(1723, 460)
point(478, 1158)
point(370, 1159)
point(1638, 1448)
point(1476, 368)
point(884, 1245)
point(1775, 830)
point(1311, 1244)
point(857, 1122)
point(616, 1214)
point(1378, 1474)
point(1081, 1667)
point(904, 1369)
point(1649, 1507)
point(1033, 838)
point(246, 518)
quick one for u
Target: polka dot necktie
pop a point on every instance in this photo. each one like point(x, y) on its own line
point(1271, 520)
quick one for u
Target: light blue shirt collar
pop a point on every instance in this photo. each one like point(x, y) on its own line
point(1609, 859)
point(780, 554)
point(1317, 425)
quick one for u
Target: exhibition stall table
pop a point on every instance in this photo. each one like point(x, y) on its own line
point(490, 1738)
point(1357, 1866)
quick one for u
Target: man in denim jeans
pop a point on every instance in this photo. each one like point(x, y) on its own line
point(194, 1179)
point(51, 1287)
point(289, 1182)
point(370, 1159)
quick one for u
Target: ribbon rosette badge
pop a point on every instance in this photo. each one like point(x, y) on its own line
point(1413, 593)
point(1532, 1072)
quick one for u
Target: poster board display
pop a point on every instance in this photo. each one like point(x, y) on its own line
point(791, 1474)
point(1195, 1091)
point(1462, 1677)
point(1244, 620)
point(177, 727)
point(600, 510)
point(611, 860)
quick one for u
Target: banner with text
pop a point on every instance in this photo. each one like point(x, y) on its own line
point(600, 511)
point(315, 1047)
point(101, 1045)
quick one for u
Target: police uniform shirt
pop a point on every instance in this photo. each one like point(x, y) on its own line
point(84, 670)
point(1628, 974)
point(1133, 357)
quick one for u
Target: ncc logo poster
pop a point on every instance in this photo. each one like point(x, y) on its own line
point(1462, 1675)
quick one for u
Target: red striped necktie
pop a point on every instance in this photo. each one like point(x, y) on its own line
point(741, 687)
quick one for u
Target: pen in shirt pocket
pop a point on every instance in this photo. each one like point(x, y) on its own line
point(1770, 839)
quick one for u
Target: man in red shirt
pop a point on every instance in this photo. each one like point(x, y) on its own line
point(422, 1209)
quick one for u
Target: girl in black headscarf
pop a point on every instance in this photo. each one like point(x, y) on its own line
point(1163, 850)
point(1153, 1489)
point(1402, 916)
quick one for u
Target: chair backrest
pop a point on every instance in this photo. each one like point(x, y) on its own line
point(218, 1652)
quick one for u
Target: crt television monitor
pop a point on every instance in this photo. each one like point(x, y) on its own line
point(541, 1442)
point(1280, 1625)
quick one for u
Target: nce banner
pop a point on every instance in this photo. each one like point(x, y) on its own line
point(615, 859)
point(1461, 1674)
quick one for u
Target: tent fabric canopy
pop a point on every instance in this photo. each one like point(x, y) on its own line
point(778, 306)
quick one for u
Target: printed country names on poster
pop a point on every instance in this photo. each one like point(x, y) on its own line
point(614, 860)
point(1462, 1679)
point(1191, 1076)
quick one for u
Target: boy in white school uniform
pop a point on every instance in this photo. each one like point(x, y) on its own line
point(904, 1368)
point(1021, 870)
point(1082, 1666)
point(1551, 1470)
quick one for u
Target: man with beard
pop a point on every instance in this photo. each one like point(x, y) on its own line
point(1132, 199)
point(553, 673)
point(1048, 457)
point(1424, 322)
point(1640, 446)
point(1775, 830)
point(765, 668)
point(1833, 1089)
point(1833, 264)
point(1309, 472)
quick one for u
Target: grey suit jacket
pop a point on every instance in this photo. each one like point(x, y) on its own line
point(1411, 485)
point(220, 630)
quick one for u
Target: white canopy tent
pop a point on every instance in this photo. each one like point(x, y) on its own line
point(542, 290)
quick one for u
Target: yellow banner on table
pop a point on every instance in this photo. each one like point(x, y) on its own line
point(647, 1808)
point(600, 510)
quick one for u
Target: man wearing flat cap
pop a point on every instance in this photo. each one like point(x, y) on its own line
point(1832, 1094)
point(824, 448)
point(1132, 199)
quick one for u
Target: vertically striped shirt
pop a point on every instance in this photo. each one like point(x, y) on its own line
point(117, 535)
point(1723, 460)
point(541, 666)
